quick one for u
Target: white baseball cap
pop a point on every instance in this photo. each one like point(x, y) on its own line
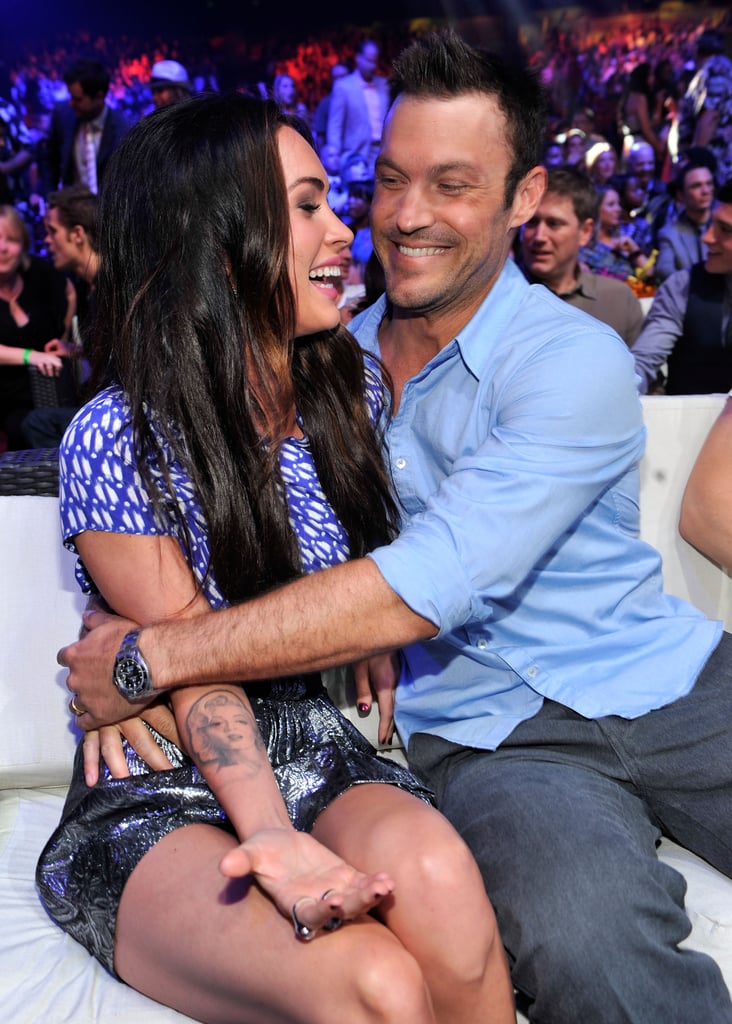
point(169, 72)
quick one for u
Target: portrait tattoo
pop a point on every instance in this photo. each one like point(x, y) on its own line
point(222, 731)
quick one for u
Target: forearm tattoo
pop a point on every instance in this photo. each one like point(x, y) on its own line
point(222, 731)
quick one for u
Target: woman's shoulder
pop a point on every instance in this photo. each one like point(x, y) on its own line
point(99, 424)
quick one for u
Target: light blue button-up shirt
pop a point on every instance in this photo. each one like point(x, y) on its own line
point(515, 456)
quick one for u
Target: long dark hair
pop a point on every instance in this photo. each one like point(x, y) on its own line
point(196, 319)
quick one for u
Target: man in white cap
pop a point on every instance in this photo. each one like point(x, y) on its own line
point(169, 83)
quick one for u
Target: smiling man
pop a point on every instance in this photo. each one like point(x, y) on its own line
point(550, 245)
point(537, 637)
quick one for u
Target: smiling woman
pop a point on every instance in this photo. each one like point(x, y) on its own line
point(231, 447)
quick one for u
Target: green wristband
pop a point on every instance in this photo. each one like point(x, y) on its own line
point(26, 357)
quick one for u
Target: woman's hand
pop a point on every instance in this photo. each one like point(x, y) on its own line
point(46, 362)
point(296, 871)
point(378, 677)
point(106, 743)
point(59, 347)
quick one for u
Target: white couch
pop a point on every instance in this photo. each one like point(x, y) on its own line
point(45, 976)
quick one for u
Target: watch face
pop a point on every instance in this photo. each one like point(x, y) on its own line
point(130, 677)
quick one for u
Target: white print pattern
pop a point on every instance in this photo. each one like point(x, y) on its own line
point(100, 488)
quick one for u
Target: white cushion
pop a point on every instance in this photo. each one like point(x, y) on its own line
point(44, 975)
point(41, 612)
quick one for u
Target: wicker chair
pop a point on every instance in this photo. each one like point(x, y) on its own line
point(33, 471)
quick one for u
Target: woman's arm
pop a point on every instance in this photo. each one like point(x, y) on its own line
point(48, 363)
point(146, 578)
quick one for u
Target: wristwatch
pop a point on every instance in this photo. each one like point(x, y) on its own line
point(131, 674)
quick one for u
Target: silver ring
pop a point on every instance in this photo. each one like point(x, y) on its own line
point(327, 893)
point(74, 707)
point(302, 932)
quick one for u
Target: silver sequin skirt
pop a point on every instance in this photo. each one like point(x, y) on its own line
point(316, 755)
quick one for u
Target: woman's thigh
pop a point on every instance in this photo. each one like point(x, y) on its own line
point(220, 951)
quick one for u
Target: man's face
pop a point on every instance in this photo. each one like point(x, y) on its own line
point(642, 164)
point(86, 108)
point(367, 61)
point(718, 239)
point(551, 239)
point(698, 191)
point(61, 246)
point(439, 222)
point(164, 96)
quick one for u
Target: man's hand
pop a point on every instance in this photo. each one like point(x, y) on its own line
point(378, 677)
point(90, 661)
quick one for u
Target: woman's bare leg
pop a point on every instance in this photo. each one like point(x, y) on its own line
point(220, 951)
point(439, 909)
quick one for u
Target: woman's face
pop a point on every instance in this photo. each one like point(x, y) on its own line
point(610, 209)
point(317, 236)
point(11, 247)
point(605, 165)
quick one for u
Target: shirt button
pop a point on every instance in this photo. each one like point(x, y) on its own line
point(400, 462)
point(482, 644)
point(532, 672)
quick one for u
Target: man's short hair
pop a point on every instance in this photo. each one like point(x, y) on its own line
point(677, 185)
point(574, 185)
point(76, 204)
point(91, 75)
point(442, 66)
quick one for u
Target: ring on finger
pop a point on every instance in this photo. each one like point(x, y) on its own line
point(302, 931)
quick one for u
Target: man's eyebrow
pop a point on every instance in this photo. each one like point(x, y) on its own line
point(435, 170)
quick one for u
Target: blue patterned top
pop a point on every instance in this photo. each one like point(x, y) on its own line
point(100, 488)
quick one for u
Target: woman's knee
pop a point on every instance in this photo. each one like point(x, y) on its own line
point(388, 986)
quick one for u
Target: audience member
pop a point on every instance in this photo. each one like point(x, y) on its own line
point(705, 116)
point(601, 163)
point(567, 709)
point(689, 325)
point(358, 107)
point(338, 189)
point(636, 114)
point(322, 109)
point(681, 244)
point(169, 83)
point(284, 93)
point(706, 508)
point(71, 238)
point(16, 154)
point(360, 186)
point(36, 305)
point(85, 132)
point(612, 249)
point(550, 244)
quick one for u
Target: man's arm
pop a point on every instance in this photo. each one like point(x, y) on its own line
point(706, 509)
point(328, 618)
point(662, 328)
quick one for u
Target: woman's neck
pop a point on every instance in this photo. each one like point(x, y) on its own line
point(9, 284)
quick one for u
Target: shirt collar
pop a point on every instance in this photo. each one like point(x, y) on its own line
point(476, 343)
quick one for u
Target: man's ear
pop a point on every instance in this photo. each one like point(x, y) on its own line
point(78, 235)
point(528, 195)
point(588, 226)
